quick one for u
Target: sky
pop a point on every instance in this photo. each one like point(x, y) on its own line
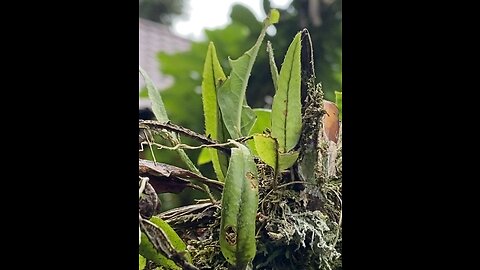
point(212, 14)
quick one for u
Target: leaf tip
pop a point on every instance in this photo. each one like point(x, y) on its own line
point(274, 16)
point(211, 45)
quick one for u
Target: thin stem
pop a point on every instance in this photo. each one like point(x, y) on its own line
point(186, 146)
point(191, 166)
point(196, 187)
point(150, 147)
point(155, 125)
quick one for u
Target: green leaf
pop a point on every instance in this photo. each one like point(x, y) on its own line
point(248, 119)
point(338, 102)
point(143, 93)
point(261, 124)
point(286, 107)
point(264, 121)
point(173, 237)
point(273, 66)
point(142, 262)
point(239, 208)
point(286, 160)
point(213, 76)
point(148, 251)
point(231, 94)
point(267, 149)
point(204, 157)
point(266, 6)
point(274, 16)
point(245, 16)
point(157, 104)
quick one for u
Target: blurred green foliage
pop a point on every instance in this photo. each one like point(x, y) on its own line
point(162, 11)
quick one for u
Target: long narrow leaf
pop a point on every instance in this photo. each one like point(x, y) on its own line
point(213, 75)
point(273, 66)
point(286, 107)
point(231, 94)
point(157, 103)
point(239, 209)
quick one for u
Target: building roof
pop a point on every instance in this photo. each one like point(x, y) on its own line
point(154, 38)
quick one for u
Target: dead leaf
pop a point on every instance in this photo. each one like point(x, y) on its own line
point(330, 121)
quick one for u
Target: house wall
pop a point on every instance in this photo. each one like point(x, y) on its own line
point(154, 38)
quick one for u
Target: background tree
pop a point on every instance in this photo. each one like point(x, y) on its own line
point(161, 11)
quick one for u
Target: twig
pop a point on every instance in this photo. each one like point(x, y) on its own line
point(207, 142)
point(193, 186)
point(183, 156)
point(151, 124)
point(186, 146)
point(150, 147)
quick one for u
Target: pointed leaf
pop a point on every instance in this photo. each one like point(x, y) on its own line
point(231, 94)
point(239, 208)
point(157, 103)
point(213, 76)
point(286, 107)
point(273, 66)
